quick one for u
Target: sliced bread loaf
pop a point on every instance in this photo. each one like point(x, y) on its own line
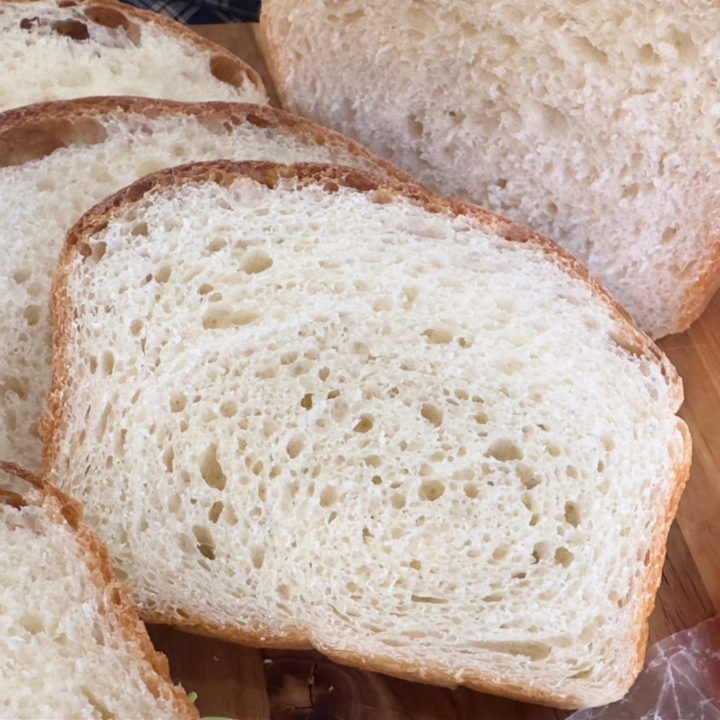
point(58, 159)
point(306, 407)
point(55, 49)
point(594, 123)
point(71, 643)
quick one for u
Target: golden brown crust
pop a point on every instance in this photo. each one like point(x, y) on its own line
point(701, 292)
point(273, 58)
point(33, 131)
point(223, 172)
point(118, 605)
point(225, 65)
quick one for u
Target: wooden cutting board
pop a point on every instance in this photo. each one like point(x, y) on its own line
point(242, 683)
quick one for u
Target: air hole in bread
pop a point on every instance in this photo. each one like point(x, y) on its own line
point(415, 128)
point(376, 479)
point(162, 275)
point(631, 191)
point(572, 514)
point(306, 401)
point(563, 557)
point(668, 235)
point(552, 450)
point(216, 244)
point(108, 362)
point(257, 556)
point(295, 446)
point(382, 304)
point(398, 500)
point(324, 373)
point(646, 55)
point(373, 461)
point(428, 599)
point(31, 622)
point(438, 336)
point(98, 250)
point(211, 470)
point(177, 402)
point(411, 293)
point(364, 424)
point(256, 261)
point(541, 550)
point(226, 70)
point(328, 496)
point(71, 28)
point(222, 317)
point(32, 314)
point(206, 544)
point(431, 490)
point(504, 450)
point(500, 552)
point(28, 23)
point(228, 408)
point(114, 19)
point(432, 414)
point(168, 458)
point(257, 121)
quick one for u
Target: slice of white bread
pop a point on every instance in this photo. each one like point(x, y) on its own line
point(56, 49)
point(305, 407)
point(58, 159)
point(594, 123)
point(71, 643)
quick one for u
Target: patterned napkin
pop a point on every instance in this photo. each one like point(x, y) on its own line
point(203, 12)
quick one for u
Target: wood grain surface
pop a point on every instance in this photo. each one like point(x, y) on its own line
point(237, 682)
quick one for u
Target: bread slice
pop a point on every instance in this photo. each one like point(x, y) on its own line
point(58, 159)
point(57, 49)
point(306, 407)
point(594, 123)
point(71, 643)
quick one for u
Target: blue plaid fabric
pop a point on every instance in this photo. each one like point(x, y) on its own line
point(203, 12)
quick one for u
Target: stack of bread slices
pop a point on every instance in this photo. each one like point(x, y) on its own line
point(300, 400)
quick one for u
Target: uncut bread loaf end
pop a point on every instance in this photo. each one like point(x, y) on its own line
point(58, 49)
point(58, 159)
point(307, 407)
point(593, 123)
point(71, 643)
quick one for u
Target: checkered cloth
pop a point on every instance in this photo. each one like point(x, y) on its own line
point(203, 12)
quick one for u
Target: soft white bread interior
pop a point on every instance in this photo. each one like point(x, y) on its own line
point(56, 49)
point(594, 123)
point(305, 407)
point(58, 159)
point(71, 643)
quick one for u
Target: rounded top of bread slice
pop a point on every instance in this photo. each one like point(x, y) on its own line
point(55, 49)
point(71, 643)
point(323, 409)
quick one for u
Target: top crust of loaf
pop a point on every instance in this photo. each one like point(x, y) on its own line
point(33, 131)
point(84, 17)
point(331, 179)
point(123, 616)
